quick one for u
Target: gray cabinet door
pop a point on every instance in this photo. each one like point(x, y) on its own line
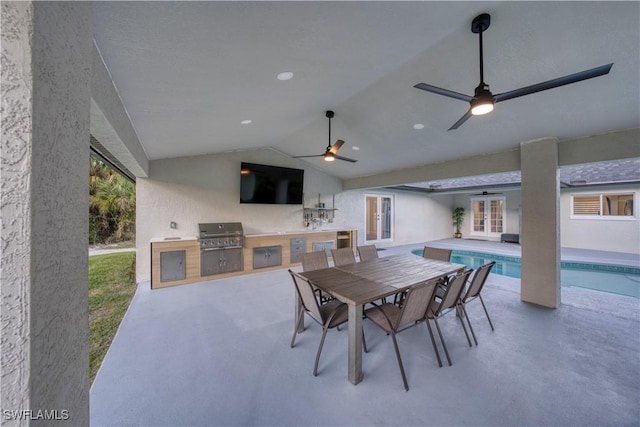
point(298, 247)
point(324, 246)
point(222, 261)
point(211, 263)
point(267, 256)
point(233, 260)
point(173, 266)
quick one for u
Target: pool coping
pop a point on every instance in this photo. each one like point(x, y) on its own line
point(567, 254)
point(569, 265)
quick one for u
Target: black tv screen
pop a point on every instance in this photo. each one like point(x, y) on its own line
point(270, 184)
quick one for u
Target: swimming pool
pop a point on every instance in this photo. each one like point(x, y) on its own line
point(606, 278)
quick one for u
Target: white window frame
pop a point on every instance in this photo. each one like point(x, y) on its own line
point(600, 216)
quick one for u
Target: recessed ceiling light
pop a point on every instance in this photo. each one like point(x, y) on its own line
point(355, 147)
point(285, 75)
point(418, 126)
point(245, 122)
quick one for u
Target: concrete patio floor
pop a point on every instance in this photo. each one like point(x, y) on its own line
point(217, 353)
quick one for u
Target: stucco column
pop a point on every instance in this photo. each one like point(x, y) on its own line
point(540, 282)
point(45, 84)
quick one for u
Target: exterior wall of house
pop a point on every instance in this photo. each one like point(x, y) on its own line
point(46, 74)
point(416, 217)
point(614, 234)
point(512, 214)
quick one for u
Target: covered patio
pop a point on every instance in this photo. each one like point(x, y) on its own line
point(217, 353)
point(149, 81)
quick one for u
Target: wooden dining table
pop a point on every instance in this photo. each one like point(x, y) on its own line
point(368, 281)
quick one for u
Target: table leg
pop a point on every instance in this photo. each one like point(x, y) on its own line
point(355, 343)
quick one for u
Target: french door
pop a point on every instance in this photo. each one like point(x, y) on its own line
point(488, 216)
point(378, 218)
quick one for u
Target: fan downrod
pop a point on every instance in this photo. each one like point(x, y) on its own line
point(480, 23)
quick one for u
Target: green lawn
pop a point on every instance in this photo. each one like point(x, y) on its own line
point(111, 288)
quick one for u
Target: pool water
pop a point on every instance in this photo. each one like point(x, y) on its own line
point(606, 278)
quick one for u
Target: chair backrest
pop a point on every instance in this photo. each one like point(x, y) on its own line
point(415, 304)
point(437, 253)
point(478, 281)
point(307, 296)
point(343, 256)
point(314, 260)
point(452, 294)
point(367, 252)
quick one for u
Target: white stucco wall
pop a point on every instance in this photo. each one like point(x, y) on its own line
point(617, 235)
point(46, 73)
point(417, 217)
point(421, 218)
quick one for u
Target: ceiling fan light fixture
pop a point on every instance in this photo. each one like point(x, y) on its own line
point(481, 107)
point(329, 157)
point(482, 103)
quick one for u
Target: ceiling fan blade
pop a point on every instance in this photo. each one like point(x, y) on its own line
point(462, 119)
point(550, 84)
point(336, 146)
point(444, 92)
point(345, 158)
point(302, 157)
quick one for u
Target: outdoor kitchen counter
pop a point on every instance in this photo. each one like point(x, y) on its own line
point(177, 254)
point(172, 239)
point(172, 246)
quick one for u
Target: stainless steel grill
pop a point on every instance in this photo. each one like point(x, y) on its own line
point(220, 235)
point(220, 247)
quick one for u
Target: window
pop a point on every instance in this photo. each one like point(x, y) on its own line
point(605, 206)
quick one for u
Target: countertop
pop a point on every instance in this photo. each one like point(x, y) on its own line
point(173, 239)
point(265, 234)
point(304, 231)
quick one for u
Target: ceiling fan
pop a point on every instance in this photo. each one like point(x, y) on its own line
point(330, 153)
point(486, 193)
point(483, 100)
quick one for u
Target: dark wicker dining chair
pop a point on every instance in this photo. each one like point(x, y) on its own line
point(343, 256)
point(367, 252)
point(329, 315)
point(441, 306)
point(393, 319)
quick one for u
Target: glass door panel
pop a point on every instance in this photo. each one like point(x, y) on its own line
point(386, 218)
point(371, 218)
point(497, 207)
point(478, 216)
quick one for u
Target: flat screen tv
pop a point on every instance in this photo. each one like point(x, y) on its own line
point(270, 184)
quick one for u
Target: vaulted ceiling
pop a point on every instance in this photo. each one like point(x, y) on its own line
point(189, 73)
